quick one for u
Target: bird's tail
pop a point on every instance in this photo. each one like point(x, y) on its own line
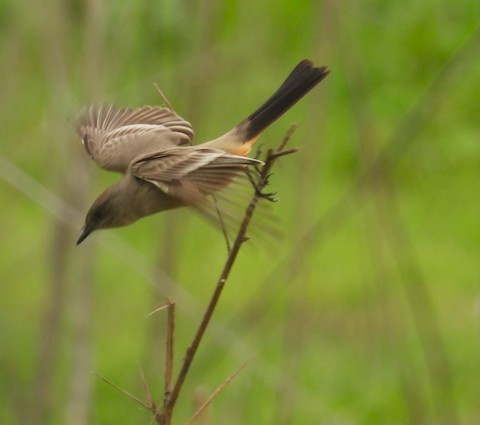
point(304, 77)
point(301, 80)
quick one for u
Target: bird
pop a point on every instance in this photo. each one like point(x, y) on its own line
point(162, 170)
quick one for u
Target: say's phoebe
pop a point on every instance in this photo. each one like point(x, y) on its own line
point(161, 170)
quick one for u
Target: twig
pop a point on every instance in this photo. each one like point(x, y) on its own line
point(164, 98)
point(146, 387)
point(124, 392)
point(169, 356)
point(286, 138)
point(217, 391)
point(161, 308)
point(272, 156)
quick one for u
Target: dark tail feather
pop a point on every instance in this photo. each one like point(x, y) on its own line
point(300, 81)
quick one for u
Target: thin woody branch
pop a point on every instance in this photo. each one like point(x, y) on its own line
point(168, 362)
point(171, 398)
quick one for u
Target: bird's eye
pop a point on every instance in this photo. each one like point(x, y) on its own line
point(98, 216)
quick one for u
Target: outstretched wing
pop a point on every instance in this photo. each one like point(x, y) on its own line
point(191, 174)
point(113, 137)
point(211, 181)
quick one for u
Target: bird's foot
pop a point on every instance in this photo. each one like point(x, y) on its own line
point(260, 186)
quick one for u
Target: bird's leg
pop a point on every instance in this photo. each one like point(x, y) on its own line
point(222, 224)
point(260, 185)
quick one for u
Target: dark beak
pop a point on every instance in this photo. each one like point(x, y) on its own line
point(83, 235)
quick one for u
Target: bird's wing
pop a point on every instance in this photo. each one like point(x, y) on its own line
point(191, 174)
point(211, 181)
point(113, 137)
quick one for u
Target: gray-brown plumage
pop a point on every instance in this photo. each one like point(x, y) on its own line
point(161, 170)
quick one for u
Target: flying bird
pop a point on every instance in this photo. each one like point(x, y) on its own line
point(151, 147)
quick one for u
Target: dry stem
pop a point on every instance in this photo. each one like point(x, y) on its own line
point(172, 398)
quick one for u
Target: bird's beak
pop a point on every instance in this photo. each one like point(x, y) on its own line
point(83, 235)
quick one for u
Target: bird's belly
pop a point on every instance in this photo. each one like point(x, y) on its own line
point(149, 199)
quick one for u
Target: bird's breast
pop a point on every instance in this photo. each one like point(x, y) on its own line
point(148, 199)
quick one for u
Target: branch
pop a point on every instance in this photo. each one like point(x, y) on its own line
point(168, 362)
point(272, 156)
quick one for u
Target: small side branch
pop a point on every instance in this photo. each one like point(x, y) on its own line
point(217, 391)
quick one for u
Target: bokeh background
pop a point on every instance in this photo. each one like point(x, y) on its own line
point(366, 311)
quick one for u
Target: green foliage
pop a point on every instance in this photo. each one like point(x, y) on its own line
point(334, 310)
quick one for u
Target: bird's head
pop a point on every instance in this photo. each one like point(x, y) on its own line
point(106, 212)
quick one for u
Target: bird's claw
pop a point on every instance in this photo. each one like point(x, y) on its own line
point(269, 196)
point(259, 186)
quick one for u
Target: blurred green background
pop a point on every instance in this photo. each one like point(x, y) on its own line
point(367, 311)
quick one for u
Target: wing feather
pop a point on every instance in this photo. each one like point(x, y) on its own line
point(212, 182)
point(113, 137)
point(191, 174)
